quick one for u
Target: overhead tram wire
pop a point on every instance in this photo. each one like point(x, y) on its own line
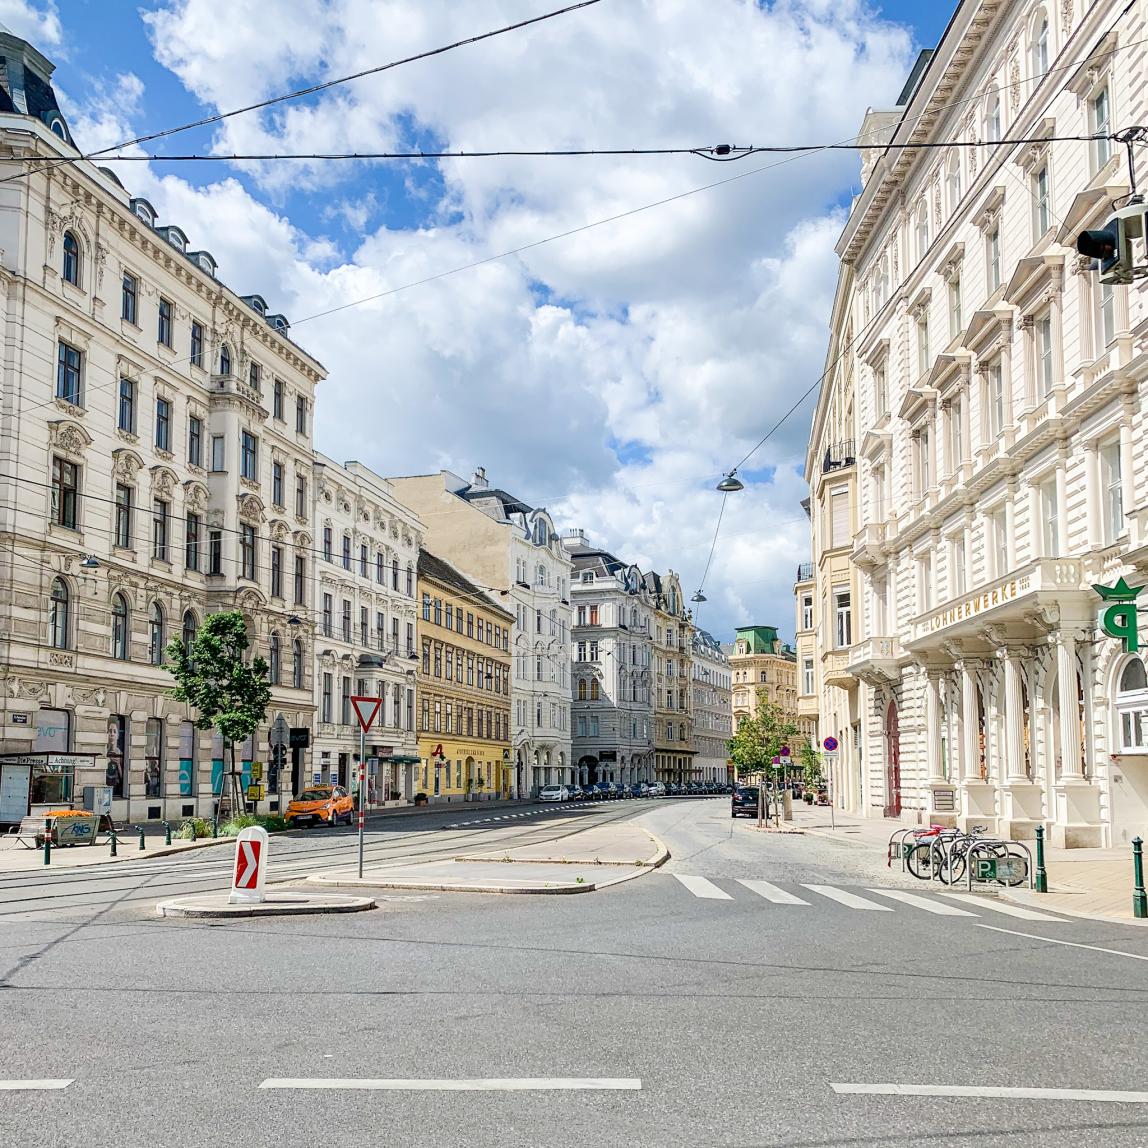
point(219, 117)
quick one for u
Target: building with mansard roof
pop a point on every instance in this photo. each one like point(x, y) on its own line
point(156, 429)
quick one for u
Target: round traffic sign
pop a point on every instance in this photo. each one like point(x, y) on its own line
point(785, 751)
point(829, 744)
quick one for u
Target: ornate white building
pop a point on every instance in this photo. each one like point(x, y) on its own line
point(510, 548)
point(155, 429)
point(710, 683)
point(998, 399)
point(364, 627)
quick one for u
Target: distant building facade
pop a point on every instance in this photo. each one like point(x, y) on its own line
point(761, 664)
point(710, 682)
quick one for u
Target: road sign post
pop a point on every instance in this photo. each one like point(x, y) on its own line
point(250, 866)
point(366, 710)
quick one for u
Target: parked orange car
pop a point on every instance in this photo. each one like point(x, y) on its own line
point(329, 803)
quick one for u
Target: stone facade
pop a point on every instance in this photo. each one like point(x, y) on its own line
point(762, 666)
point(710, 683)
point(508, 547)
point(997, 396)
point(146, 411)
point(673, 697)
point(364, 625)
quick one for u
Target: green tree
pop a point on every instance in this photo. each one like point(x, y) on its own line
point(810, 761)
point(229, 690)
point(759, 739)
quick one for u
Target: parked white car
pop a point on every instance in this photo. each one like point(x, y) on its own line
point(658, 789)
point(553, 793)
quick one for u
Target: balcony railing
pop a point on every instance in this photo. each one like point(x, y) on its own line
point(838, 456)
point(805, 572)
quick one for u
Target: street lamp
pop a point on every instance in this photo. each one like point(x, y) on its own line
point(699, 597)
point(89, 562)
point(731, 484)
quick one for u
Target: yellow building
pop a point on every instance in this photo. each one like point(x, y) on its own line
point(760, 663)
point(463, 687)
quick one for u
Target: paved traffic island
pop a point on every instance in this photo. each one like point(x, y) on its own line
point(583, 862)
point(281, 903)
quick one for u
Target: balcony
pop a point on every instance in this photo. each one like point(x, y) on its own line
point(875, 660)
point(838, 456)
point(805, 572)
point(835, 668)
point(869, 545)
point(807, 706)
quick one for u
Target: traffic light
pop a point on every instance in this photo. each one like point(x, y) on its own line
point(1111, 245)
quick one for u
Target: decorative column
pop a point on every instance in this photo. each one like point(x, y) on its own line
point(970, 743)
point(1077, 812)
point(942, 795)
point(1022, 799)
point(1071, 770)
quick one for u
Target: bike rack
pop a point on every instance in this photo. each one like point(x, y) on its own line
point(970, 856)
point(898, 841)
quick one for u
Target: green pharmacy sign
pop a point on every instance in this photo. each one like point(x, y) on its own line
point(1119, 617)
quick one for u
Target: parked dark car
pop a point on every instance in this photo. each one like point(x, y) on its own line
point(744, 801)
point(577, 793)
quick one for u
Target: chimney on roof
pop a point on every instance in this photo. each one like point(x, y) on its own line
point(478, 479)
point(574, 539)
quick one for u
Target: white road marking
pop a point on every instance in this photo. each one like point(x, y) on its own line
point(1100, 1095)
point(849, 899)
point(19, 1085)
point(1070, 944)
point(700, 887)
point(937, 907)
point(771, 892)
point(524, 1084)
point(1006, 908)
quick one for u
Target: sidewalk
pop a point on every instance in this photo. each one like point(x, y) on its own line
point(1094, 883)
point(587, 860)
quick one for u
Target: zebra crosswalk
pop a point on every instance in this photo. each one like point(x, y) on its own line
point(872, 900)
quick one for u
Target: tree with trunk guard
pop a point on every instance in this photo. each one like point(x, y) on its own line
point(757, 741)
point(229, 690)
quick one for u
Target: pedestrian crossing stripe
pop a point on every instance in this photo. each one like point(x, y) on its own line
point(707, 889)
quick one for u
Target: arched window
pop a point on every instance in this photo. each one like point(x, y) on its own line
point(190, 629)
point(225, 360)
point(922, 230)
point(274, 658)
point(121, 621)
point(59, 609)
point(156, 634)
point(581, 690)
point(953, 180)
point(1132, 707)
point(297, 664)
point(1040, 45)
point(71, 259)
point(594, 692)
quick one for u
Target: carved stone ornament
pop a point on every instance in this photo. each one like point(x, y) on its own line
point(162, 482)
point(100, 261)
point(250, 510)
point(96, 696)
point(33, 691)
point(126, 464)
point(69, 437)
point(1065, 17)
point(195, 496)
point(1014, 81)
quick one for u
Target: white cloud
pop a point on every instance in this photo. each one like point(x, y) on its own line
point(38, 23)
point(683, 332)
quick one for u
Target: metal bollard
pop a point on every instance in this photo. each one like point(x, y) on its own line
point(47, 841)
point(1041, 871)
point(142, 845)
point(167, 832)
point(215, 825)
point(192, 824)
point(1139, 895)
point(112, 841)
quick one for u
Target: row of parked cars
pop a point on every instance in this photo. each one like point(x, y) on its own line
point(613, 791)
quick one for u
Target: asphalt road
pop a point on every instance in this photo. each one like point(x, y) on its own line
point(728, 1011)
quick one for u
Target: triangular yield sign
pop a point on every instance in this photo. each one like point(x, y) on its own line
point(366, 710)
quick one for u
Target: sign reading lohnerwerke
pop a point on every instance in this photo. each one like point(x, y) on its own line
point(1118, 619)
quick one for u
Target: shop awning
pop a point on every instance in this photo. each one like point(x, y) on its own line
point(402, 759)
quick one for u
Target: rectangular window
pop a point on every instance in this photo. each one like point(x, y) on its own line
point(277, 484)
point(364, 560)
point(69, 384)
point(129, 299)
point(1049, 520)
point(923, 360)
point(215, 552)
point(807, 676)
point(325, 707)
point(195, 441)
point(1105, 295)
point(593, 616)
point(65, 493)
point(998, 520)
point(581, 727)
point(346, 620)
point(164, 329)
point(956, 322)
point(957, 566)
point(277, 389)
point(880, 390)
point(1044, 371)
point(470, 625)
point(843, 631)
point(276, 571)
point(993, 259)
point(196, 355)
point(255, 378)
point(924, 582)
point(300, 496)
point(996, 400)
point(159, 517)
point(380, 569)
point(426, 607)
point(247, 551)
point(449, 616)
point(300, 579)
point(1100, 126)
point(807, 612)
point(163, 424)
point(123, 516)
point(1112, 491)
point(593, 726)
point(248, 455)
point(923, 475)
point(346, 552)
point(328, 607)
point(364, 627)
point(300, 415)
point(1041, 204)
point(218, 452)
point(126, 411)
point(327, 543)
point(956, 433)
point(191, 538)
point(381, 630)
point(839, 516)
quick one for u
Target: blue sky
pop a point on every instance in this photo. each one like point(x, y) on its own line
point(611, 377)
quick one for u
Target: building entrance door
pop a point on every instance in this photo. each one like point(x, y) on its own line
point(892, 762)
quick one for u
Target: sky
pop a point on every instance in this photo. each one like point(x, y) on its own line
point(611, 375)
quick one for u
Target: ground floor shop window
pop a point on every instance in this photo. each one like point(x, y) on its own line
point(153, 758)
point(1132, 707)
point(117, 750)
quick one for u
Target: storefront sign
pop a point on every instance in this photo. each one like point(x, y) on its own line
point(1119, 618)
point(977, 604)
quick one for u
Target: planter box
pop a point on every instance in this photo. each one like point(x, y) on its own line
point(75, 830)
